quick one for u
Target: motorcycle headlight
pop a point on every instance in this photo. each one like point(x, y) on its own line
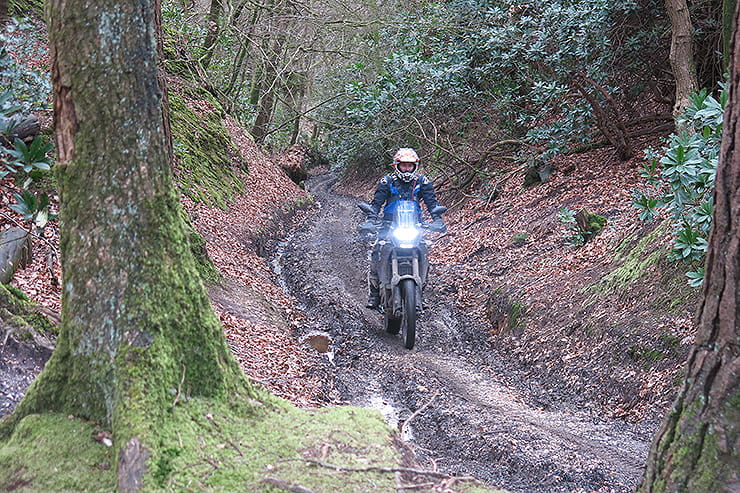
point(406, 237)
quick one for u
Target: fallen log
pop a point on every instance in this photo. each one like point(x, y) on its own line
point(24, 127)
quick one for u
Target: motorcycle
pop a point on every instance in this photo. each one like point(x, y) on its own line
point(403, 265)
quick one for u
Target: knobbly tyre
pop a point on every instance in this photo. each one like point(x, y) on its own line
point(403, 265)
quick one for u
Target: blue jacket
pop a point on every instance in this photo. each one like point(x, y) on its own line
point(391, 189)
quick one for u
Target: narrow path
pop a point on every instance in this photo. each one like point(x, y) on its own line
point(472, 422)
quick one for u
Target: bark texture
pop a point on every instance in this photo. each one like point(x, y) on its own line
point(697, 447)
point(681, 55)
point(137, 326)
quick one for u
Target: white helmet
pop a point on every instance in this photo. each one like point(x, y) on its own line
point(409, 156)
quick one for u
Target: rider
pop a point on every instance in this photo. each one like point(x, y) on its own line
point(404, 183)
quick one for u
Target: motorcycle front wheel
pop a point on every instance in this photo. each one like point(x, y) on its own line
point(408, 321)
point(391, 324)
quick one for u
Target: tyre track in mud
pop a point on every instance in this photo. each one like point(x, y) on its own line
point(473, 423)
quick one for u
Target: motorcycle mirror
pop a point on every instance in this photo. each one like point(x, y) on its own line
point(438, 210)
point(366, 208)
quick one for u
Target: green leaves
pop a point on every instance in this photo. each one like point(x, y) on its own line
point(574, 237)
point(33, 156)
point(646, 205)
point(33, 208)
point(682, 179)
point(696, 277)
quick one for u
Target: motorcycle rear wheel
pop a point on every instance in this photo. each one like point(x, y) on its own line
point(408, 321)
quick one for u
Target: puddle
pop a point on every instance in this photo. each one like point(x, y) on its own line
point(277, 268)
point(391, 415)
point(321, 342)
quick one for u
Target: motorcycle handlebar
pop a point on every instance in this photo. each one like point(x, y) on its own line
point(375, 226)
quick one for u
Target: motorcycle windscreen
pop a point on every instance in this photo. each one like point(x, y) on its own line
point(405, 230)
point(407, 214)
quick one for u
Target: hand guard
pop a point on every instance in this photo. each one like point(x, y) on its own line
point(368, 227)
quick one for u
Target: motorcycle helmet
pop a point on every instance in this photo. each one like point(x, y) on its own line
point(406, 155)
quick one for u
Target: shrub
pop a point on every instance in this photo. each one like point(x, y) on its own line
point(680, 177)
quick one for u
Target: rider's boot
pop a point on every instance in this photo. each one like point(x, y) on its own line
point(373, 300)
point(373, 285)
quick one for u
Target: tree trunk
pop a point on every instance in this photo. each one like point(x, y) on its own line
point(15, 251)
point(266, 91)
point(728, 8)
point(696, 448)
point(681, 56)
point(24, 127)
point(212, 31)
point(136, 321)
point(162, 81)
point(3, 12)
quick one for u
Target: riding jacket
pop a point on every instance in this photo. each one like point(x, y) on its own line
point(391, 189)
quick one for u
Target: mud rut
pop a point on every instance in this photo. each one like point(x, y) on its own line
point(472, 421)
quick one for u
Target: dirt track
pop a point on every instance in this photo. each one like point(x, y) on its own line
point(477, 415)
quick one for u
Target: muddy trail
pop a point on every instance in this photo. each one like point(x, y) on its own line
point(460, 407)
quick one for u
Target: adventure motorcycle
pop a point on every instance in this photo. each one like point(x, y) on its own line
point(403, 265)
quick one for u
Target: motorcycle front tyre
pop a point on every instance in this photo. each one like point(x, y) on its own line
point(408, 321)
point(391, 324)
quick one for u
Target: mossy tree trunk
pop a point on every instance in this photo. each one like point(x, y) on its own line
point(137, 326)
point(696, 448)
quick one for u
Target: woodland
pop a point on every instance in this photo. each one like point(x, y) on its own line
point(157, 157)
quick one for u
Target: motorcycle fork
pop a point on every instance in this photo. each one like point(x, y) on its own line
point(396, 278)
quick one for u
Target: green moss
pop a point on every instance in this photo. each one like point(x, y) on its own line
point(213, 445)
point(18, 310)
point(636, 262)
point(596, 223)
point(206, 268)
point(516, 315)
point(16, 292)
point(708, 466)
point(52, 452)
point(203, 148)
point(23, 8)
point(236, 452)
point(637, 353)
point(519, 239)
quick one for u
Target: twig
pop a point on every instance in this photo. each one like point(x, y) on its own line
point(389, 470)
point(235, 447)
point(284, 485)
point(416, 413)
point(179, 388)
